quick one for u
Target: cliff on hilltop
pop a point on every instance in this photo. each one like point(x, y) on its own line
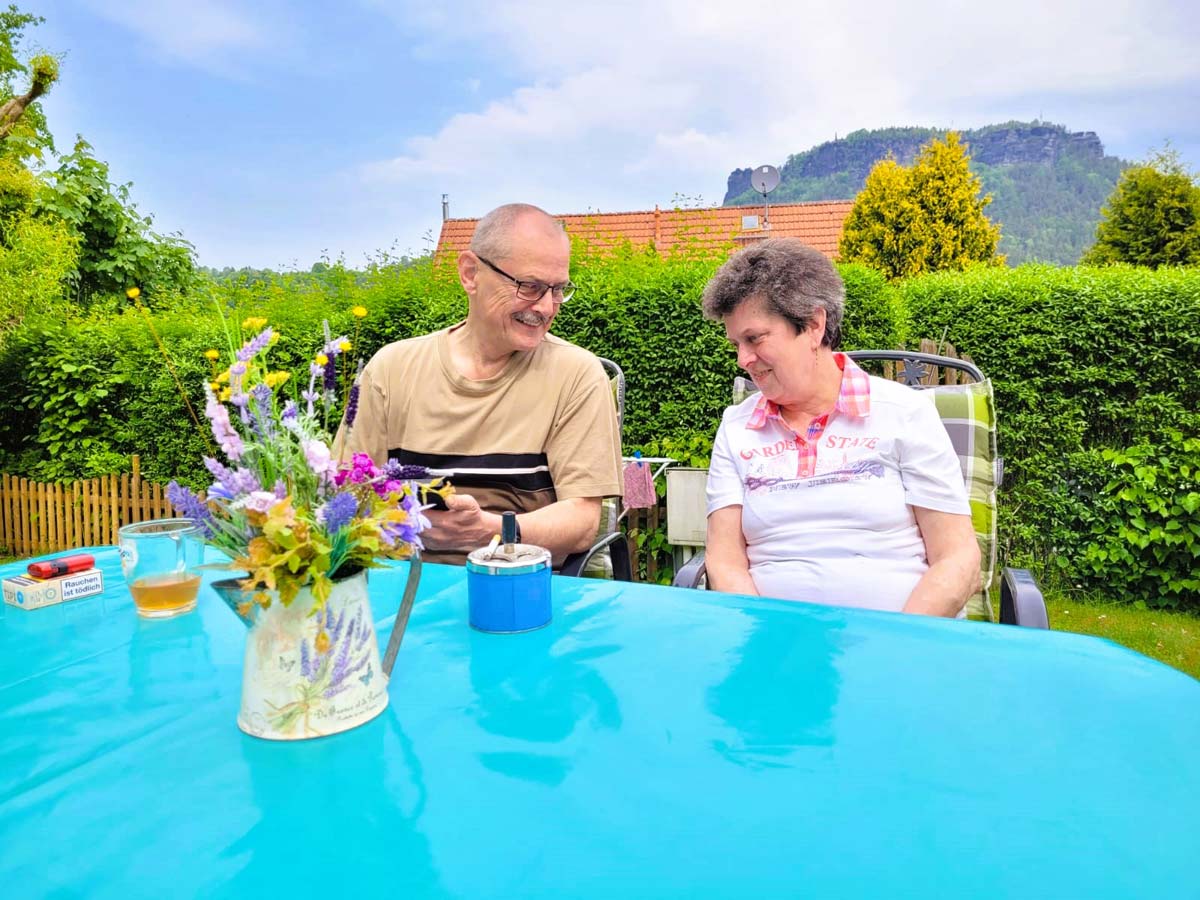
point(1047, 183)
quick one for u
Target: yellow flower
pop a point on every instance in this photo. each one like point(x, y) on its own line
point(223, 377)
point(322, 642)
point(216, 387)
point(212, 354)
point(224, 395)
point(343, 346)
point(322, 359)
point(282, 377)
point(359, 312)
point(254, 323)
point(133, 293)
point(274, 339)
point(274, 379)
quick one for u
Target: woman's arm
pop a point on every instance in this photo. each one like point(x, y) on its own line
point(725, 558)
point(953, 573)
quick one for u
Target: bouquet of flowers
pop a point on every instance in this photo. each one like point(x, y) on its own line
point(281, 506)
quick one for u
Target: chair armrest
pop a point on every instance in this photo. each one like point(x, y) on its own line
point(575, 563)
point(690, 572)
point(1021, 601)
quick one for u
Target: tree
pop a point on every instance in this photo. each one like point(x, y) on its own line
point(1152, 218)
point(924, 218)
point(23, 131)
point(117, 247)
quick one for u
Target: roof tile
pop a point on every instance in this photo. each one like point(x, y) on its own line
point(818, 224)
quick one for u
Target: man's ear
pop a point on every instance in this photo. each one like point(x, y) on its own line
point(468, 271)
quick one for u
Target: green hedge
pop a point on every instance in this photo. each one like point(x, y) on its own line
point(1092, 368)
point(1095, 373)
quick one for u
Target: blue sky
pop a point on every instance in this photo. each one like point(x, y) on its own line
point(273, 133)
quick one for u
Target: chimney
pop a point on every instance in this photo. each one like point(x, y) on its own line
point(445, 207)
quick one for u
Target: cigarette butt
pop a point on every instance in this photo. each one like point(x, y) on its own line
point(491, 548)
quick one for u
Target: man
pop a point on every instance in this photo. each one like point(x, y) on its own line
point(516, 418)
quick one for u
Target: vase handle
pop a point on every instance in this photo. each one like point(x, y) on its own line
point(401, 623)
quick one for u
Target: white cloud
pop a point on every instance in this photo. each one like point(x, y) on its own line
point(209, 34)
point(627, 104)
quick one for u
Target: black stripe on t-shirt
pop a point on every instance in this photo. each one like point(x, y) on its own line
point(485, 469)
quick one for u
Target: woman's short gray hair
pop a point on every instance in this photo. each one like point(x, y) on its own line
point(792, 279)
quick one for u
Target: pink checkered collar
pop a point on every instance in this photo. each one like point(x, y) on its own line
point(854, 397)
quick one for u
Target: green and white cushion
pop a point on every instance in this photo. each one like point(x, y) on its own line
point(600, 565)
point(969, 413)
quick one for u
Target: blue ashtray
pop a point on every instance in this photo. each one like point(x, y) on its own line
point(509, 591)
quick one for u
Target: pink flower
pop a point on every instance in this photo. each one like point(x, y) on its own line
point(316, 454)
point(261, 501)
point(361, 469)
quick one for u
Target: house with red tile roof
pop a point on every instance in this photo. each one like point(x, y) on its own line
point(818, 224)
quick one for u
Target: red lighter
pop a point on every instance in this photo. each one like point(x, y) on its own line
point(64, 565)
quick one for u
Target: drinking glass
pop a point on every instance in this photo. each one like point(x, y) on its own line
point(161, 560)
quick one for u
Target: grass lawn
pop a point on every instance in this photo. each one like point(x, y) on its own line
point(1170, 637)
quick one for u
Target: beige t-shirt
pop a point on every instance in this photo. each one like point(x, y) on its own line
point(544, 429)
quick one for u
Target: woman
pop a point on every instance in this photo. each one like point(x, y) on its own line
point(829, 485)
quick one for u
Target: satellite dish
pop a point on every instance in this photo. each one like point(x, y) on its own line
point(765, 179)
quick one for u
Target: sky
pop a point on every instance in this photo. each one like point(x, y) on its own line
point(275, 134)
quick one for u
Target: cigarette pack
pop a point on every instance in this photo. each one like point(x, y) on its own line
point(34, 593)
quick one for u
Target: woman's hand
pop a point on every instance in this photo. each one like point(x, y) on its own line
point(953, 554)
point(725, 559)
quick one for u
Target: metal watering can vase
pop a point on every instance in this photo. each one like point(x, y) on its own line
point(309, 675)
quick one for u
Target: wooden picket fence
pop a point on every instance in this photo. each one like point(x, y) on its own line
point(644, 521)
point(37, 518)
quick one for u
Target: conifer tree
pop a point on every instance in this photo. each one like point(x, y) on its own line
point(925, 218)
point(1152, 218)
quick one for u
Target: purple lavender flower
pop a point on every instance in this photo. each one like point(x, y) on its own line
point(242, 401)
point(231, 483)
point(311, 396)
point(281, 489)
point(261, 395)
point(351, 407)
point(331, 374)
point(191, 506)
point(337, 512)
point(227, 439)
point(340, 663)
point(223, 475)
point(244, 481)
point(335, 631)
point(400, 472)
point(304, 658)
point(254, 346)
point(291, 414)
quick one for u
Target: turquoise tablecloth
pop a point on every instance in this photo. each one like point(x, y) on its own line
point(651, 742)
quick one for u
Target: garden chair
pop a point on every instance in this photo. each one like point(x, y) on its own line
point(608, 557)
point(965, 402)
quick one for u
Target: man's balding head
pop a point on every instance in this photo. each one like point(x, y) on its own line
point(494, 234)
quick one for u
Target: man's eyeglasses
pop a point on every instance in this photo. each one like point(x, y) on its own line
point(532, 291)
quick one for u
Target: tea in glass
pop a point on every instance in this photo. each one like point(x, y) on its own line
point(161, 561)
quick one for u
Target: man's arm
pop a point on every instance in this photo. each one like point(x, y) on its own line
point(563, 527)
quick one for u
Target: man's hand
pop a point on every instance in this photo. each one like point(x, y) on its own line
point(462, 527)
